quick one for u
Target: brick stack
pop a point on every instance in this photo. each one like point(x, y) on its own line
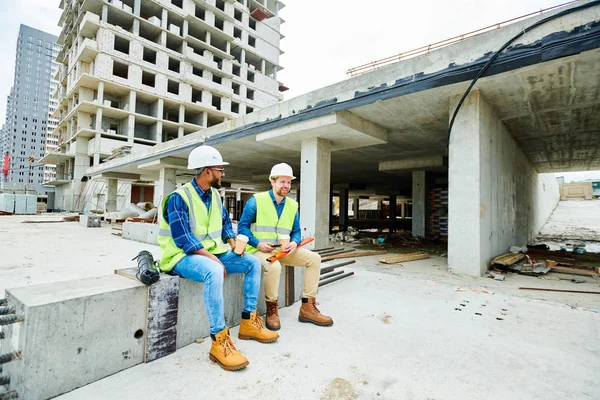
point(438, 212)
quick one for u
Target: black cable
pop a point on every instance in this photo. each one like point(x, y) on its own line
point(493, 58)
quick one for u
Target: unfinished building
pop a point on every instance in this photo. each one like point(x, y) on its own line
point(136, 73)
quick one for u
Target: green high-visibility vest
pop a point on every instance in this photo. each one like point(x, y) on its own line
point(207, 226)
point(268, 227)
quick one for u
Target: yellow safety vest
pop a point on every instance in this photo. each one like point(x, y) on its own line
point(268, 227)
point(206, 225)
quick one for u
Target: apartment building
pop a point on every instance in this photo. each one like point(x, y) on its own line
point(27, 111)
point(135, 73)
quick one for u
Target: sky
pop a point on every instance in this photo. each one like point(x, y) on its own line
point(323, 38)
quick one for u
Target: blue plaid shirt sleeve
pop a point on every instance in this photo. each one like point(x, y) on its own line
point(227, 227)
point(296, 235)
point(179, 222)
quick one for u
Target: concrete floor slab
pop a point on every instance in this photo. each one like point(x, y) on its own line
point(574, 220)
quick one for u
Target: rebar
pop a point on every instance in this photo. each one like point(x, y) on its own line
point(337, 278)
point(331, 275)
point(9, 395)
point(8, 357)
point(4, 380)
point(330, 268)
point(7, 310)
point(9, 319)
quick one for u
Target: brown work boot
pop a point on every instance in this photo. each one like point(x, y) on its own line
point(273, 322)
point(310, 313)
point(253, 328)
point(224, 353)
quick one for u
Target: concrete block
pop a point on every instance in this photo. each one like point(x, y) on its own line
point(73, 333)
point(141, 232)
point(7, 202)
point(90, 221)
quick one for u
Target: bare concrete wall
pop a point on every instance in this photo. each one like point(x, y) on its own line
point(496, 198)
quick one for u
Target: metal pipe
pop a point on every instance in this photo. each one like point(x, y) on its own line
point(333, 252)
point(9, 395)
point(322, 249)
point(8, 357)
point(330, 268)
point(331, 275)
point(337, 278)
point(9, 319)
point(4, 380)
point(7, 310)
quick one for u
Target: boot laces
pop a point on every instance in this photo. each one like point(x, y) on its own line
point(273, 309)
point(314, 306)
point(228, 345)
point(258, 322)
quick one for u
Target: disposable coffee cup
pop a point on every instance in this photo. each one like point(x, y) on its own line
point(240, 244)
point(284, 240)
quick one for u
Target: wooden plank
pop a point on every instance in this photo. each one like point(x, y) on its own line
point(404, 258)
point(574, 271)
point(358, 254)
point(290, 292)
point(508, 259)
point(558, 290)
point(161, 330)
point(127, 273)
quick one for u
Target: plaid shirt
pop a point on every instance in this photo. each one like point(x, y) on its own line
point(177, 215)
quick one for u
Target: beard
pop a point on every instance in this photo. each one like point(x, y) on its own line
point(282, 192)
point(216, 183)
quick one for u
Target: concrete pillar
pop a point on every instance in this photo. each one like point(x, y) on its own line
point(419, 200)
point(104, 19)
point(185, 28)
point(98, 126)
point(130, 128)
point(343, 210)
point(163, 20)
point(356, 206)
point(100, 92)
point(393, 213)
point(137, 7)
point(166, 183)
point(97, 138)
point(314, 190)
point(111, 194)
point(243, 57)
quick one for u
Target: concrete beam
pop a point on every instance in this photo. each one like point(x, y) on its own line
point(423, 163)
point(343, 130)
point(119, 175)
point(167, 183)
point(167, 162)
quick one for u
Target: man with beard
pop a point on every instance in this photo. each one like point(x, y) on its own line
point(194, 226)
point(267, 218)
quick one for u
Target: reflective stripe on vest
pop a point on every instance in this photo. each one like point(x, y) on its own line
point(268, 227)
point(206, 225)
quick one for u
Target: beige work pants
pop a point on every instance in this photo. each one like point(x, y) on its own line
point(300, 258)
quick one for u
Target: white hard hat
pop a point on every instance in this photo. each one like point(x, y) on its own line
point(205, 156)
point(282, 169)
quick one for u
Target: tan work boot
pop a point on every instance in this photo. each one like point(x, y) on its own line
point(252, 328)
point(273, 322)
point(310, 313)
point(224, 353)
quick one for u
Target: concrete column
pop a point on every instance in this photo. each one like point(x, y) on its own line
point(137, 7)
point(356, 206)
point(104, 19)
point(163, 20)
point(263, 66)
point(185, 28)
point(343, 210)
point(98, 126)
point(243, 57)
point(111, 194)
point(314, 189)
point(100, 92)
point(207, 37)
point(130, 129)
point(419, 200)
point(393, 213)
point(98, 138)
point(166, 183)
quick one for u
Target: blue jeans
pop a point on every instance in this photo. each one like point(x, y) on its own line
point(202, 269)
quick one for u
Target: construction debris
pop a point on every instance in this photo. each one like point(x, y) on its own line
point(558, 290)
point(404, 258)
point(120, 152)
point(350, 254)
point(508, 259)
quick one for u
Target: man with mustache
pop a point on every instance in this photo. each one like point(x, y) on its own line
point(267, 217)
point(194, 226)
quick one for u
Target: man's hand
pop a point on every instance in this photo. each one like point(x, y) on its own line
point(231, 243)
point(290, 248)
point(203, 252)
point(265, 247)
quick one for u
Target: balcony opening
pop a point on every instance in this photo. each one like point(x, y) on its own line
point(121, 44)
point(237, 14)
point(174, 44)
point(174, 64)
point(236, 52)
point(236, 70)
point(252, 24)
point(235, 107)
point(149, 55)
point(250, 94)
point(219, 23)
point(249, 110)
point(251, 41)
point(197, 71)
point(151, 12)
point(171, 112)
point(169, 133)
point(221, 5)
point(142, 131)
point(250, 76)
point(177, 3)
point(194, 117)
point(197, 33)
point(144, 108)
point(120, 70)
point(217, 79)
point(236, 88)
point(196, 95)
point(117, 18)
point(150, 33)
point(219, 42)
point(237, 33)
point(173, 87)
point(214, 120)
point(200, 13)
point(216, 102)
point(148, 79)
